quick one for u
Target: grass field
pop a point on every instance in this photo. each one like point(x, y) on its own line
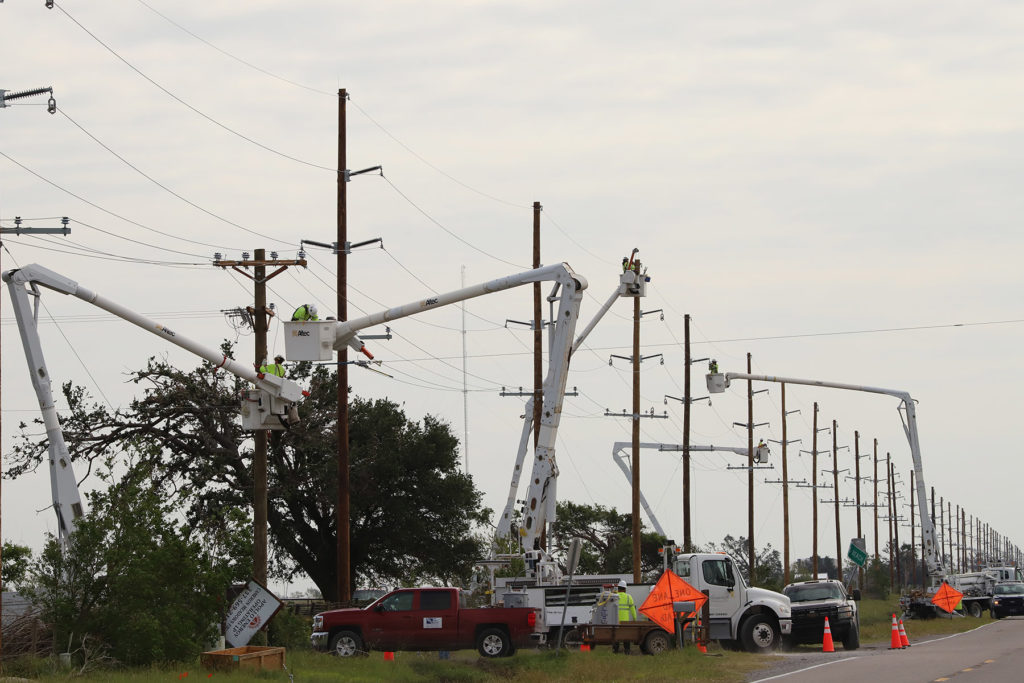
point(528, 666)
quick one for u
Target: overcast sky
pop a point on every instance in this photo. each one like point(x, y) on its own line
point(830, 187)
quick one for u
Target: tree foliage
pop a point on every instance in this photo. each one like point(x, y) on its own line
point(132, 579)
point(413, 514)
point(608, 540)
point(16, 559)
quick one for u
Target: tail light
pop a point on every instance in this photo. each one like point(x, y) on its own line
point(531, 619)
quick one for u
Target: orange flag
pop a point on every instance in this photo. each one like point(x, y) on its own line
point(947, 597)
point(669, 589)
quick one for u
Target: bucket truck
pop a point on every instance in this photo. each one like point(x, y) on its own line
point(718, 382)
point(271, 405)
point(317, 341)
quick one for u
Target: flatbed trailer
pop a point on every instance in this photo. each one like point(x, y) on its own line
point(649, 636)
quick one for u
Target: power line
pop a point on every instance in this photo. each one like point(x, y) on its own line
point(164, 187)
point(186, 104)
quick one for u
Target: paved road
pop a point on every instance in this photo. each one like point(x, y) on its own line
point(992, 653)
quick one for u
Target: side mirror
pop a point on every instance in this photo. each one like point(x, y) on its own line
point(378, 607)
point(856, 594)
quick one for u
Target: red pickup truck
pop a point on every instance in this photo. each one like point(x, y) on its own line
point(426, 619)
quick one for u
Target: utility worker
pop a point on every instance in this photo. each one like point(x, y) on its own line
point(627, 612)
point(713, 367)
point(625, 263)
point(305, 312)
point(274, 369)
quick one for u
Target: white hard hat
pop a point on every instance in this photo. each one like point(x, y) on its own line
point(312, 309)
point(622, 583)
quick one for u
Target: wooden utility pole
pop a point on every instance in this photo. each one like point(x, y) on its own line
point(636, 440)
point(896, 529)
point(856, 474)
point(750, 474)
point(888, 482)
point(259, 463)
point(835, 497)
point(785, 495)
point(538, 337)
point(814, 494)
point(877, 556)
point(261, 314)
point(913, 549)
point(344, 540)
point(687, 537)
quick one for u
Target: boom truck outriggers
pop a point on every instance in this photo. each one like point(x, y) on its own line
point(271, 405)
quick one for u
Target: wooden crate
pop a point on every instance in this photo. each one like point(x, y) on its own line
point(248, 658)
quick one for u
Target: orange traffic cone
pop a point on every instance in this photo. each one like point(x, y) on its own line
point(389, 656)
point(904, 641)
point(896, 643)
point(826, 645)
point(584, 647)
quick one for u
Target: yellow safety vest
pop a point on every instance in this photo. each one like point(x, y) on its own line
point(627, 608)
point(275, 369)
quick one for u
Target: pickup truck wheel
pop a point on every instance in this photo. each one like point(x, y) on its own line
point(657, 642)
point(346, 644)
point(852, 639)
point(994, 614)
point(759, 634)
point(974, 609)
point(493, 642)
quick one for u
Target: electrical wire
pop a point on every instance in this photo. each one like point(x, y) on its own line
point(164, 187)
point(107, 211)
point(445, 229)
point(105, 256)
point(186, 104)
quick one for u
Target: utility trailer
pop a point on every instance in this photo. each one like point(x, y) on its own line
point(648, 636)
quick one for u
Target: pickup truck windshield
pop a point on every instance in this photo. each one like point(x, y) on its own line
point(824, 591)
point(1010, 589)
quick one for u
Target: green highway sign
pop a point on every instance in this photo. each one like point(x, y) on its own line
point(857, 555)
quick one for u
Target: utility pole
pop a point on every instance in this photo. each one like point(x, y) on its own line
point(891, 501)
point(538, 340)
point(636, 440)
point(750, 474)
point(835, 497)
point(856, 474)
point(344, 538)
point(260, 317)
point(913, 550)
point(876, 500)
point(814, 492)
point(687, 537)
point(896, 529)
point(785, 492)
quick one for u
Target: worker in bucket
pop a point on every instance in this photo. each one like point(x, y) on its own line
point(274, 368)
point(713, 367)
point(627, 612)
point(305, 312)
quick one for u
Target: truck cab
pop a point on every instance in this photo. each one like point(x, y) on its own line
point(740, 616)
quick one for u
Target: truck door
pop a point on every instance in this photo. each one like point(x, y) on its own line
point(390, 622)
point(438, 620)
point(725, 592)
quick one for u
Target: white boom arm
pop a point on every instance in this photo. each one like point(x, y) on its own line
point(621, 459)
point(25, 282)
point(568, 288)
point(719, 382)
point(628, 284)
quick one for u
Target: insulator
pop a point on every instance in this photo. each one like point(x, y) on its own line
point(218, 256)
point(273, 256)
point(301, 254)
point(245, 256)
point(51, 105)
